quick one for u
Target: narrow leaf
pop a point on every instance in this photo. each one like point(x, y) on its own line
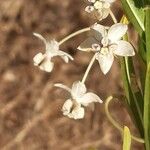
point(147, 33)
point(126, 139)
point(134, 99)
point(135, 13)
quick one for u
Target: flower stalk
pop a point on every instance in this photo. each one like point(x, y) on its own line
point(73, 35)
point(115, 123)
point(88, 68)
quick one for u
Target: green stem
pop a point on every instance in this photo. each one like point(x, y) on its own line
point(147, 83)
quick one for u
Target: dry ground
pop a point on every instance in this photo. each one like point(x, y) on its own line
point(30, 107)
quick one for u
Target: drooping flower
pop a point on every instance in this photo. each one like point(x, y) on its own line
point(51, 50)
point(80, 98)
point(107, 43)
point(99, 8)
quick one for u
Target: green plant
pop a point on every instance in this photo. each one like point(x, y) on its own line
point(106, 42)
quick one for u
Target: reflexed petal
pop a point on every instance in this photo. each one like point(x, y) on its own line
point(65, 56)
point(67, 107)
point(40, 37)
point(89, 98)
point(105, 62)
point(117, 31)
point(77, 113)
point(78, 89)
point(98, 31)
point(38, 58)
point(62, 86)
point(105, 13)
point(87, 44)
point(52, 47)
point(124, 48)
point(46, 65)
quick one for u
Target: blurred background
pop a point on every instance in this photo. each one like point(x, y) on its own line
point(30, 107)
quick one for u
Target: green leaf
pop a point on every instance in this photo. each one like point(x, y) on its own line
point(134, 99)
point(147, 33)
point(135, 13)
point(126, 139)
point(133, 93)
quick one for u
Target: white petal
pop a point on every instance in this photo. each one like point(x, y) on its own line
point(110, 1)
point(38, 58)
point(77, 113)
point(98, 31)
point(89, 98)
point(87, 44)
point(105, 13)
point(117, 31)
point(92, 1)
point(46, 65)
point(98, 5)
point(40, 37)
point(67, 107)
point(62, 86)
point(65, 56)
point(78, 89)
point(124, 48)
point(105, 62)
point(52, 47)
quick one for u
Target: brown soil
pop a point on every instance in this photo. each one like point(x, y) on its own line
point(30, 107)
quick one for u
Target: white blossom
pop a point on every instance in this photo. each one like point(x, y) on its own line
point(99, 8)
point(51, 50)
point(80, 98)
point(107, 43)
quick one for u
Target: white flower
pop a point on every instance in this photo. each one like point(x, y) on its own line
point(51, 50)
point(73, 107)
point(99, 8)
point(107, 43)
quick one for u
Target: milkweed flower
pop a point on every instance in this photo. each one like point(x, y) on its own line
point(107, 43)
point(99, 8)
point(43, 61)
point(80, 98)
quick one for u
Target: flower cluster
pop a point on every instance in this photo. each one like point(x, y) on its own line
point(51, 50)
point(99, 8)
point(73, 107)
point(107, 43)
point(104, 42)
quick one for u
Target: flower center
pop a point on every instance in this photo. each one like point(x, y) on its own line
point(105, 42)
point(104, 51)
